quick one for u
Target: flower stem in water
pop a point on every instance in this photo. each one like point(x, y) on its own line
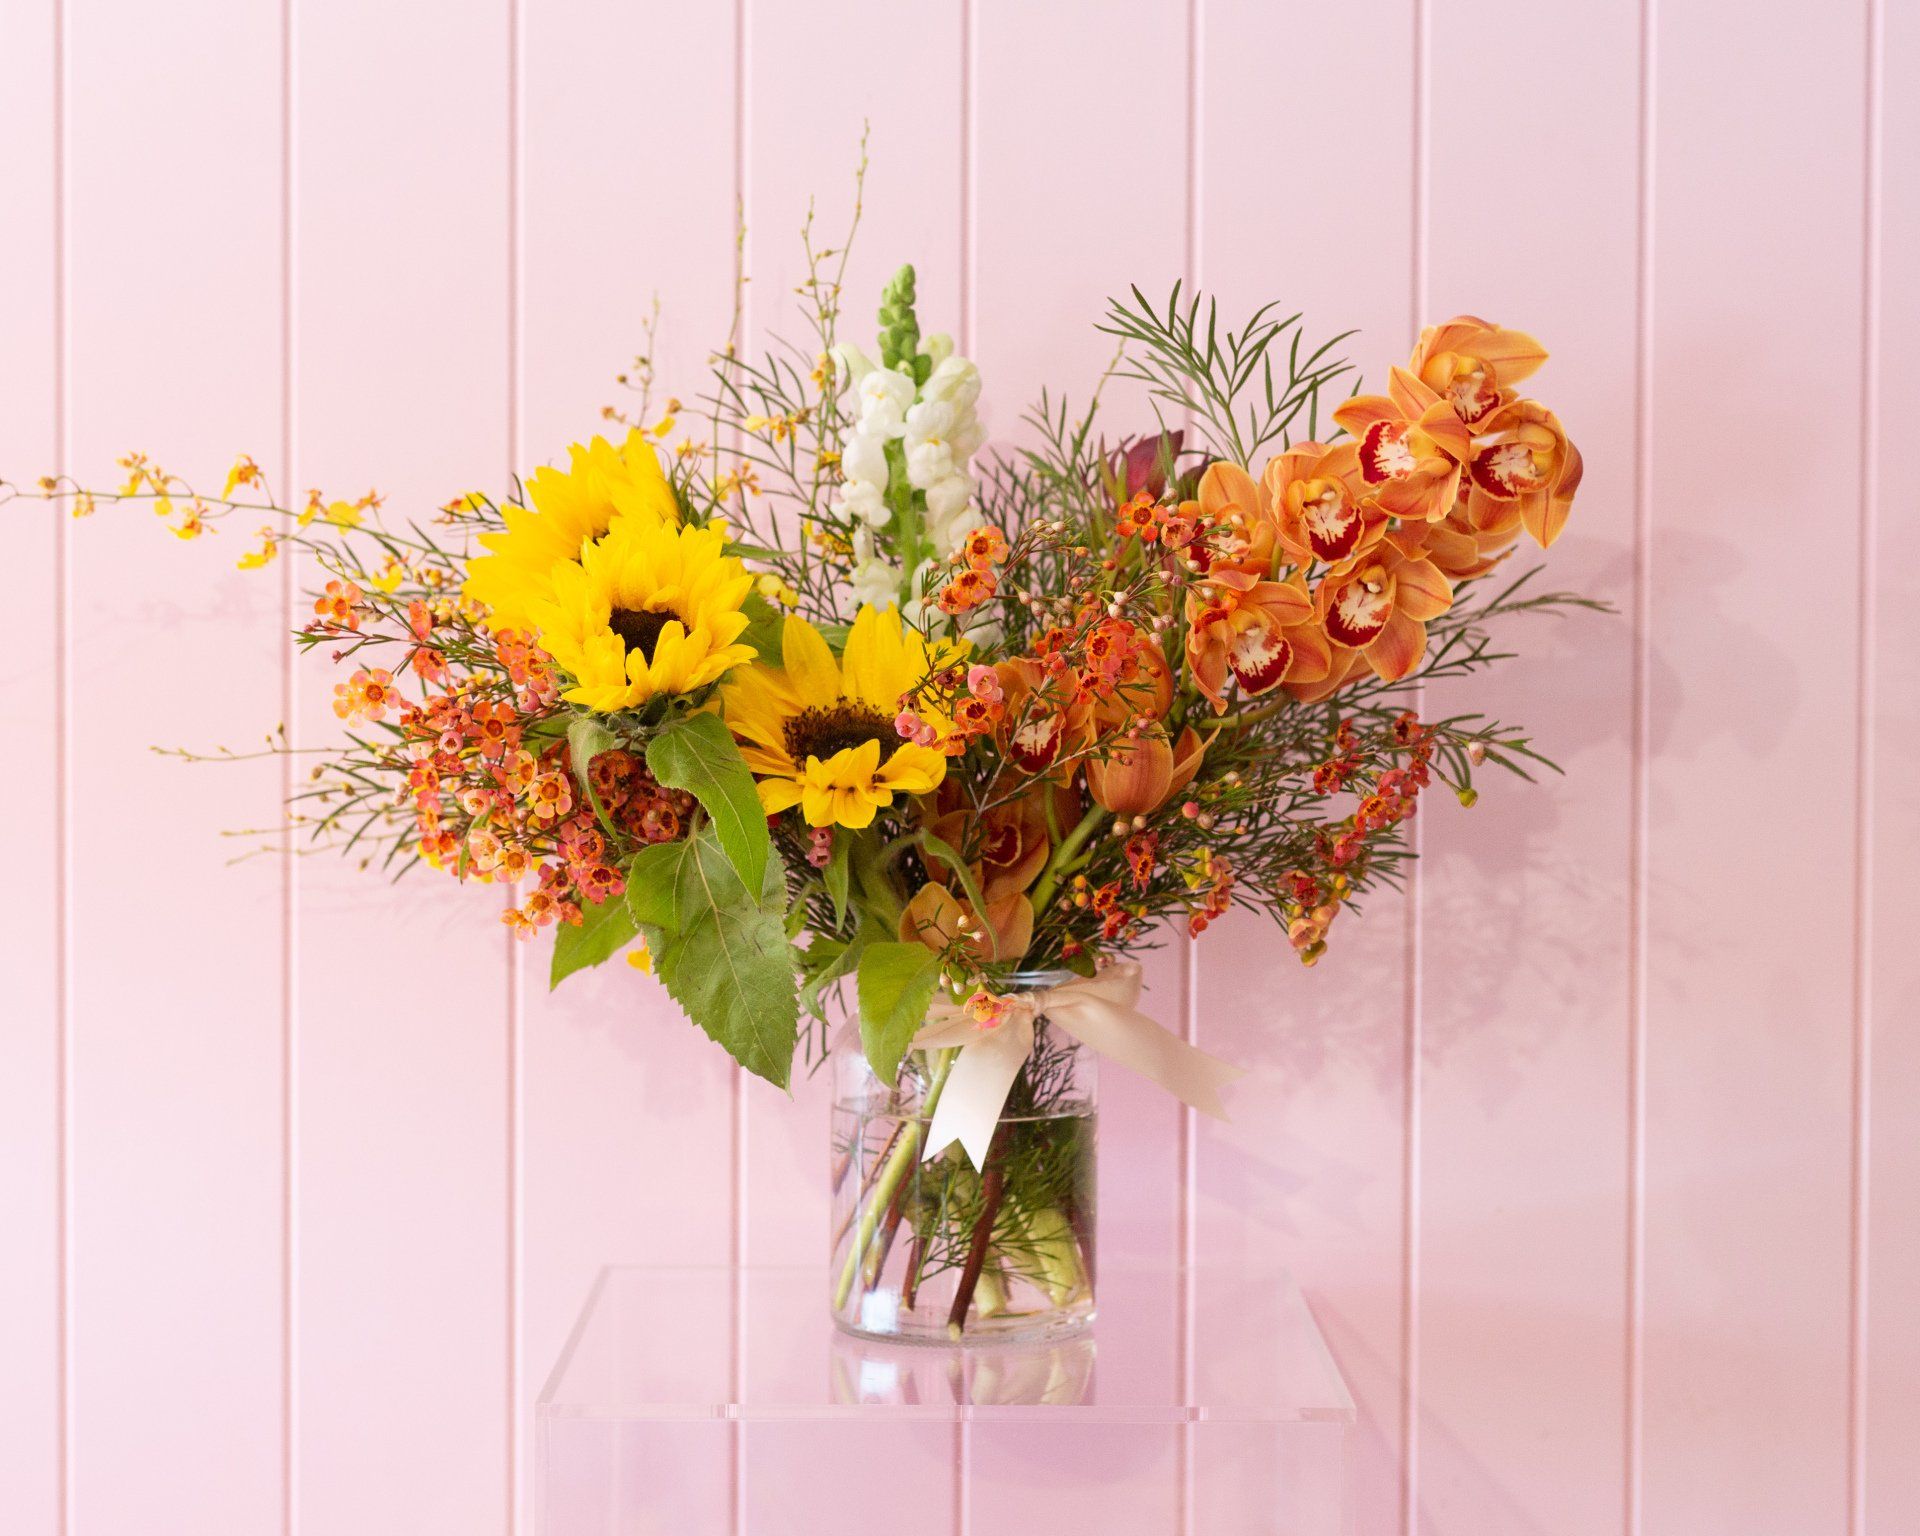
point(993, 1185)
point(906, 1151)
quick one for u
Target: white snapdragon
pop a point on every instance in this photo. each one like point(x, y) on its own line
point(872, 579)
point(928, 464)
point(885, 396)
point(859, 501)
point(875, 581)
point(930, 421)
point(938, 431)
point(918, 611)
point(943, 433)
point(863, 466)
point(929, 443)
point(948, 497)
point(863, 458)
point(853, 362)
point(953, 379)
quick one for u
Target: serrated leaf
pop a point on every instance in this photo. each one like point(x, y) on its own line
point(652, 875)
point(896, 985)
point(697, 754)
point(604, 931)
point(722, 954)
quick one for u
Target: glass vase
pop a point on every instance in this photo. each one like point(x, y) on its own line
point(933, 1250)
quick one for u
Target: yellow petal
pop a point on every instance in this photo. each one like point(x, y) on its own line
point(912, 769)
point(877, 668)
point(810, 667)
point(777, 795)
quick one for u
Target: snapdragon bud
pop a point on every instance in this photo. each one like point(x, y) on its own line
point(900, 328)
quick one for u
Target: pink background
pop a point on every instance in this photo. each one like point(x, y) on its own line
point(1599, 1154)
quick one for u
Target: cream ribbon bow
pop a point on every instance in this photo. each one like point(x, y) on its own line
point(1097, 1011)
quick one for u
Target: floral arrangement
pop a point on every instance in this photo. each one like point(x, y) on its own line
point(802, 685)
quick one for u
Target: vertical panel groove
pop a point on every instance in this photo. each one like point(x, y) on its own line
point(1410, 1129)
point(1861, 1149)
point(737, 1082)
point(969, 213)
point(289, 866)
point(1639, 792)
point(969, 126)
point(63, 794)
point(516, 1096)
point(1189, 1021)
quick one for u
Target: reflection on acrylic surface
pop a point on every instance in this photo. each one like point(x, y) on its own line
point(909, 1375)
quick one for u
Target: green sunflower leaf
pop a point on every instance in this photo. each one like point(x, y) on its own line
point(896, 985)
point(722, 954)
point(653, 875)
point(697, 753)
point(604, 931)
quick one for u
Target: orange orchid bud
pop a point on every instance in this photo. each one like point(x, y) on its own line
point(1135, 777)
point(938, 918)
point(1188, 752)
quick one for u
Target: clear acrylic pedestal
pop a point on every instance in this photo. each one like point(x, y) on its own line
point(691, 1401)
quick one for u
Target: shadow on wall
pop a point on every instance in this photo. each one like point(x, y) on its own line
point(1526, 905)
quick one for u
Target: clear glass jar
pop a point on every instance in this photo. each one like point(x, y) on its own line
point(933, 1251)
point(980, 1375)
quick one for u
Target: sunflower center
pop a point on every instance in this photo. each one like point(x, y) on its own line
point(820, 733)
point(639, 628)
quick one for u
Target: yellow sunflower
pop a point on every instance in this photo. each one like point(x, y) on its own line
point(570, 507)
point(819, 733)
point(648, 609)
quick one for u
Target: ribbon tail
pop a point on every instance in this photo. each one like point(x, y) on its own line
point(1138, 1043)
point(977, 1088)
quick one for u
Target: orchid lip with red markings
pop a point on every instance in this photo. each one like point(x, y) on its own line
point(1358, 612)
point(1385, 453)
point(1259, 657)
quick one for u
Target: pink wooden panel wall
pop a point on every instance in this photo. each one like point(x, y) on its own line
point(1598, 1153)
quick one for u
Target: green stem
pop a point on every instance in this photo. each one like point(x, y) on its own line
point(1050, 877)
point(906, 1153)
point(1255, 716)
point(872, 890)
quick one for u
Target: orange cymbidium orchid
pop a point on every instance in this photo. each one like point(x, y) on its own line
point(1238, 520)
point(1136, 776)
point(1523, 460)
point(1006, 847)
point(1319, 501)
point(1262, 633)
point(1341, 670)
point(1474, 364)
point(1043, 714)
point(1412, 448)
point(938, 919)
point(1461, 550)
point(1379, 604)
